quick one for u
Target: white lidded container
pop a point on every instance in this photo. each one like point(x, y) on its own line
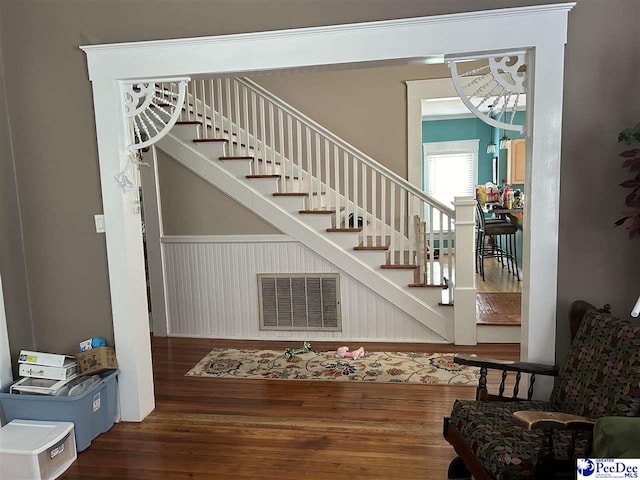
point(36, 450)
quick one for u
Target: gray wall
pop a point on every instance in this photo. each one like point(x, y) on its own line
point(12, 264)
point(191, 206)
point(50, 108)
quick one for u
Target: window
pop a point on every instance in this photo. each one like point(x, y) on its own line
point(450, 169)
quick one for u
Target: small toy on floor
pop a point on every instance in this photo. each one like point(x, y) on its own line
point(290, 352)
point(343, 352)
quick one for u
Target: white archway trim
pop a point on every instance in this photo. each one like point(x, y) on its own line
point(151, 109)
point(493, 92)
point(540, 28)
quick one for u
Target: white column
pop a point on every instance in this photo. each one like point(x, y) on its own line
point(464, 315)
point(153, 233)
point(125, 259)
point(541, 214)
point(6, 375)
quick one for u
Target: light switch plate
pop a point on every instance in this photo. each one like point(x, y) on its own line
point(99, 219)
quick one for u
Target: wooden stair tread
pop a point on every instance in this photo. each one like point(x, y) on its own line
point(499, 324)
point(445, 304)
point(399, 266)
point(371, 247)
point(344, 229)
point(209, 140)
point(290, 194)
point(263, 176)
point(189, 122)
point(235, 158)
point(318, 212)
point(424, 285)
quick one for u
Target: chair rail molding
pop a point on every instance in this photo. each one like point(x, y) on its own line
point(542, 30)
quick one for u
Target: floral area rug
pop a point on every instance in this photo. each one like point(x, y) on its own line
point(389, 367)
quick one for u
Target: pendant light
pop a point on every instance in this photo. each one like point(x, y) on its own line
point(504, 141)
point(491, 148)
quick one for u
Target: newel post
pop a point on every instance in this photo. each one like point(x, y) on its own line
point(464, 282)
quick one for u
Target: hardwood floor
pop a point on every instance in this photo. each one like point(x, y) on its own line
point(498, 308)
point(207, 428)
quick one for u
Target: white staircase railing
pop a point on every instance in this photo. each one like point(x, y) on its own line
point(335, 176)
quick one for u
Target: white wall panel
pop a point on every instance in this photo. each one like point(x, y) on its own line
point(212, 291)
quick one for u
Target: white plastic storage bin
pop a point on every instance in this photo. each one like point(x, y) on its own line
point(35, 450)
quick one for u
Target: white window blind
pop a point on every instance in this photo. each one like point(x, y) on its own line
point(450, 170)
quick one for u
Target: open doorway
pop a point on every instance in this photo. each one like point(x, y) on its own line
point(461, 155)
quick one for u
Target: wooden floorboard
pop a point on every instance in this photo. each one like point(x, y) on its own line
point(209, 428)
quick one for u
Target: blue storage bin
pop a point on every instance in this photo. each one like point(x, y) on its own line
point(92, 412)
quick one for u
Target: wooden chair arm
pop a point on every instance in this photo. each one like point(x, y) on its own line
point(507, 365)
point(539, 420)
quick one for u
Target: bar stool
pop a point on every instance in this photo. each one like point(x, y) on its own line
point(488, 232)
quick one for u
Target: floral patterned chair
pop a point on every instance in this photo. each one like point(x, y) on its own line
point(499, 437)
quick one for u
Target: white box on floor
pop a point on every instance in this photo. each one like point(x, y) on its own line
point(36, 450)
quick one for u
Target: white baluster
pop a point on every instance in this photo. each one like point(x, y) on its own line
point(272, 139)
point(356, 202)
point(290, 152)
point(299, 155)
point(336, 184)
point(254, 131)
point(236, 117)
point(220, 105)
point(345, 169)
point(327, 175)
point(227, 87)
point(245, 108)
point(283, 166)
point(392, 197)
point(402, 217)
point(263, 137)
point(450, 258)
point(196, 110)
point(214, 123)
point(205, 117)
point(442, 249)
point(374, 201)
point(321, 202)
point(383, 207)
point(432, 248)
point(365, 223)
point(312, 201)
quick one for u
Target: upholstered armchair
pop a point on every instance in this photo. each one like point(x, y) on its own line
point(507, 437)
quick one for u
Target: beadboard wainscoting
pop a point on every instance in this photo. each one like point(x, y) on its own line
point(212, 291)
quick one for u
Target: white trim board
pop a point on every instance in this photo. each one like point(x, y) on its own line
point(265, 238)
point(542, 29)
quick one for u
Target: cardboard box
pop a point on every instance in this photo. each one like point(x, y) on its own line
point(68, 370)
point(96, 360)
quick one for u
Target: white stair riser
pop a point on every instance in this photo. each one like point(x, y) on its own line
point(398, 276)
point(239, 168)
point(266, 186)
point(429, 296)
point(317, 222)
point(186, 132)
point(373, 258)
point(211, 150)
point(345, 240)
point(498, 334)
point(290, 204)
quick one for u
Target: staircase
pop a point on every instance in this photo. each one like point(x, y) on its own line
point(333, 198)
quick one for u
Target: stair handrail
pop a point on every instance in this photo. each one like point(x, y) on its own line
point(347, 146)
